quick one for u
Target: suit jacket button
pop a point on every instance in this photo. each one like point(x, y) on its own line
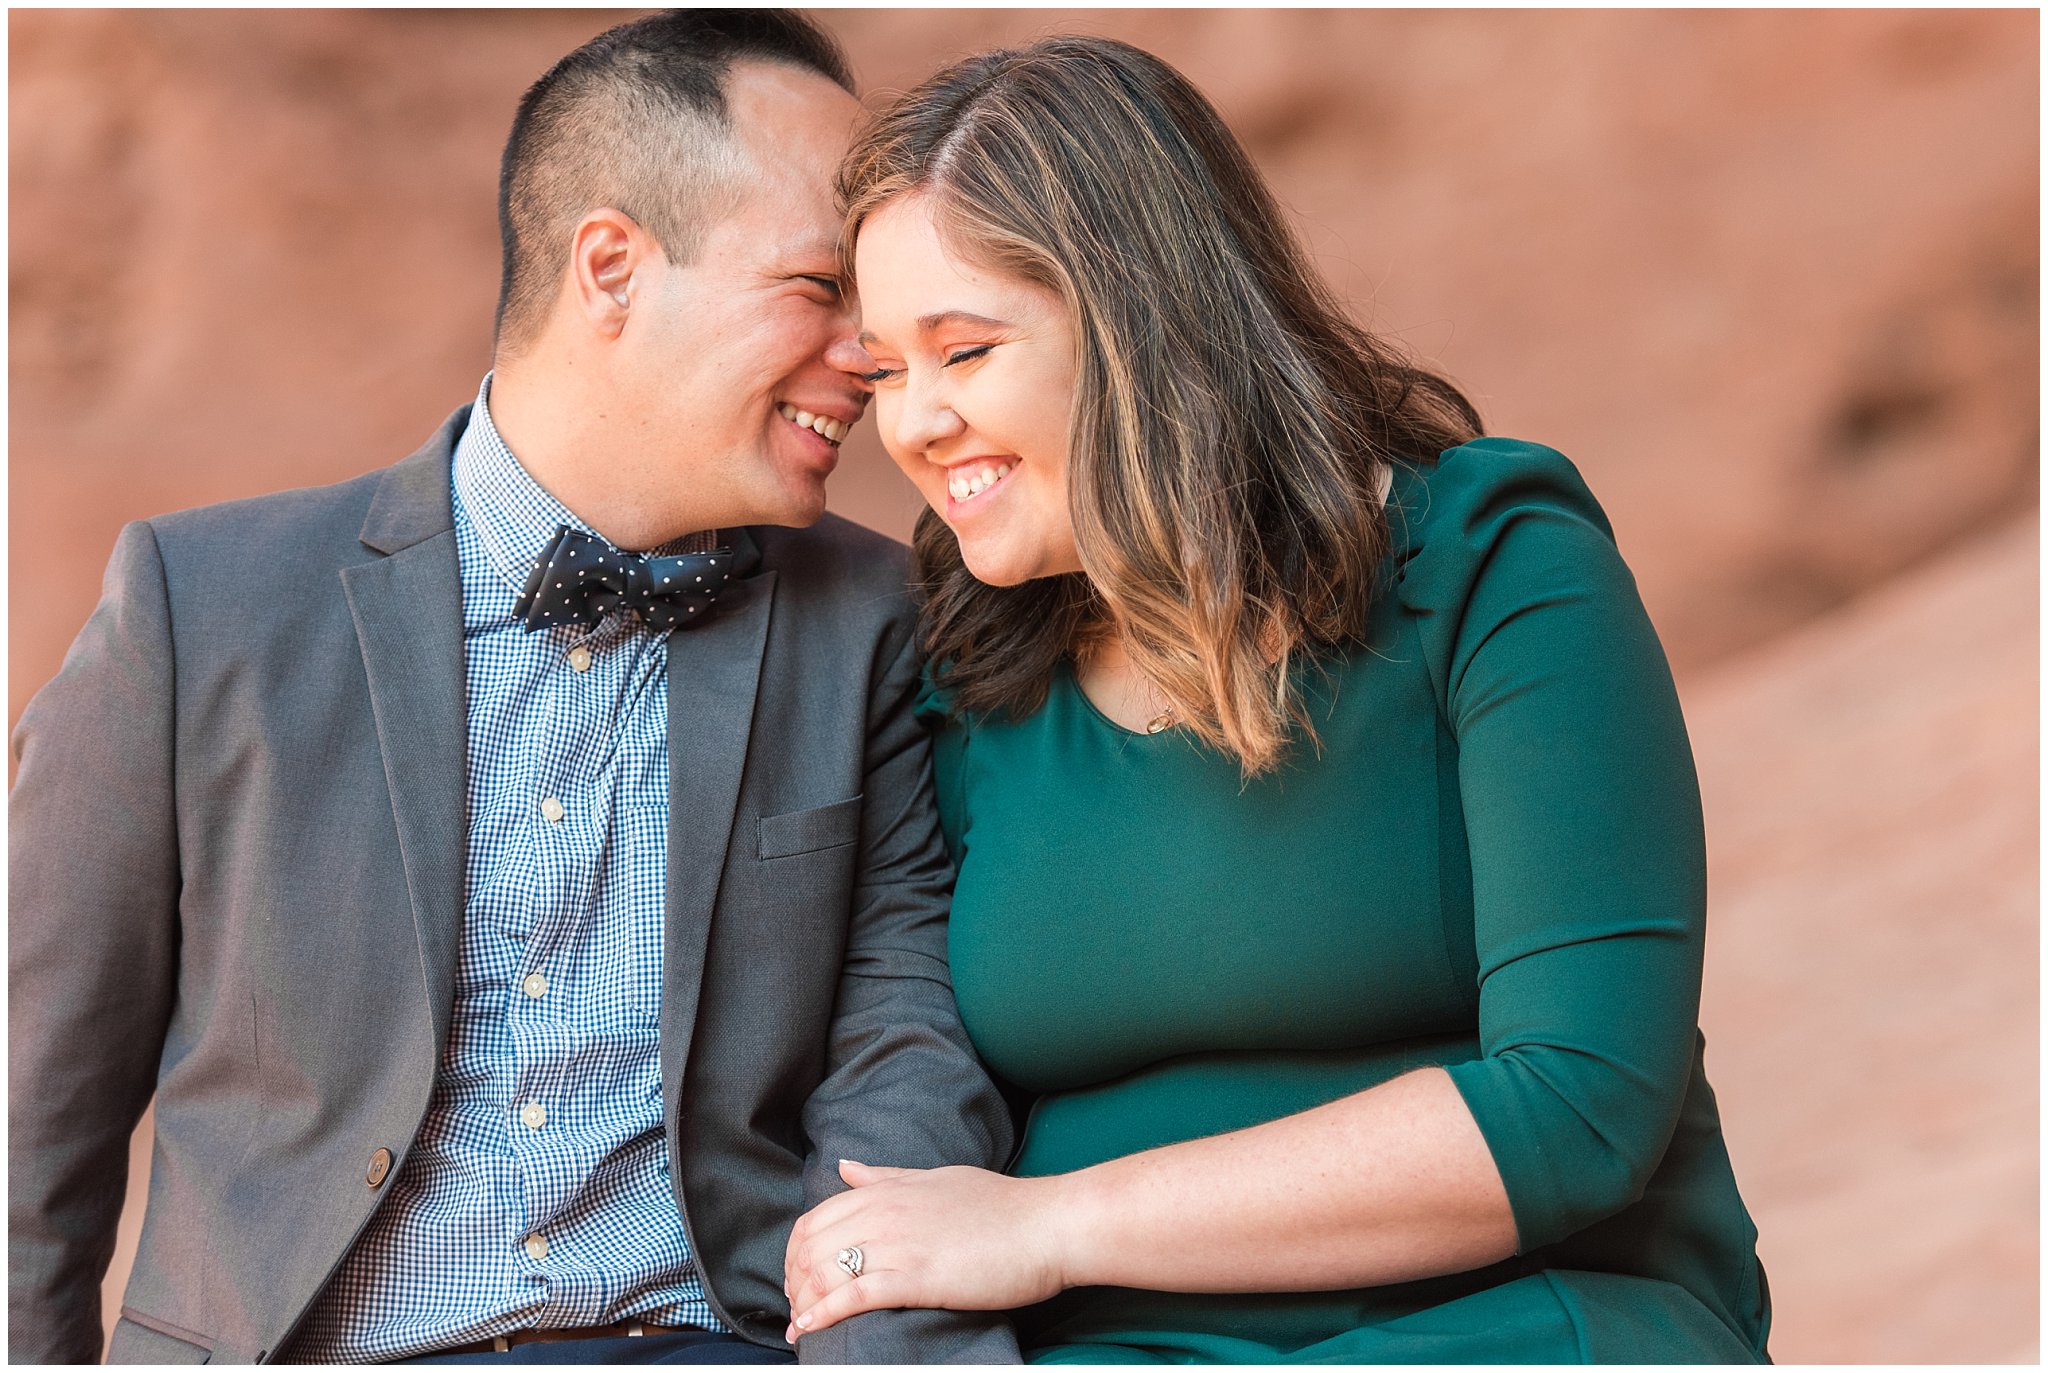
point(380, 1165)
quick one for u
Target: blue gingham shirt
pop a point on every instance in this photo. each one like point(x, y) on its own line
point(537, 1193)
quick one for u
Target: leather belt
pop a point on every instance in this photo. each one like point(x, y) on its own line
point(498, 1344)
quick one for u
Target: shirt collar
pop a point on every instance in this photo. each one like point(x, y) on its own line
point(514, 516)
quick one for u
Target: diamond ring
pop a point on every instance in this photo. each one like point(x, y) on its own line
point(850, 1260)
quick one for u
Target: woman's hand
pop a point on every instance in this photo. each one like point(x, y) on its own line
point(964, 1239)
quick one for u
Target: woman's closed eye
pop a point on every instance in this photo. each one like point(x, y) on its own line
point(881, 374)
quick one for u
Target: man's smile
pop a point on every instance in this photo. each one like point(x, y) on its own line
point(831, 430)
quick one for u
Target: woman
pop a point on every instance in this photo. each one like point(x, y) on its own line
point(1330, 852)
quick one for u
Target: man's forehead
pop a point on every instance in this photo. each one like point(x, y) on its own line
point(780, 231)
point(792, 127)
point(790, 114)
point(782, 214)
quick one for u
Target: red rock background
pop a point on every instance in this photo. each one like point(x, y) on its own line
point(1770, 278)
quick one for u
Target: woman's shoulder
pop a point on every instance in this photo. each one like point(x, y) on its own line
point(1448, 517)
point(937, 705)
point(1498, 529)
point(1468, 489)
point(934, 706)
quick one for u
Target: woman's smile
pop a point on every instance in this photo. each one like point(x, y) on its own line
point(967, 482)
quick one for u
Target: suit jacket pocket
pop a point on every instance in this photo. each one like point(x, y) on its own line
point(142, 1338)
point(806, 831)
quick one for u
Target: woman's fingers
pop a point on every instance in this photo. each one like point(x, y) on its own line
point(871, 1291)
point(813, 1268)
point(861, 1174)
point(825, 1218)
point(813, 1273)
point(961, 1238)
point(810, 1262)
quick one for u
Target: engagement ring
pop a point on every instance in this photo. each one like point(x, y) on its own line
point(850, 1260)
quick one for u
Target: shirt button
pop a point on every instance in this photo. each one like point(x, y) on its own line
point(536, 1247)
point(554, 810)
point(535, 985)
point(579, 658)
point(535, 1115)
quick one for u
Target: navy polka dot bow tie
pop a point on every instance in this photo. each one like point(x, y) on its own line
point(581, 579)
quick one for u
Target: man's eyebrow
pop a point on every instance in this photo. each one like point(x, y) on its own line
point(811, 248)
point(927, 323)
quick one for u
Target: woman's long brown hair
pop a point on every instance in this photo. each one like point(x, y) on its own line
point(1231, 426)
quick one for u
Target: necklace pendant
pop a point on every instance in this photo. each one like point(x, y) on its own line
point(1162, 721)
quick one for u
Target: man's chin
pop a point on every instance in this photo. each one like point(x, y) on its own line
point(798, 508)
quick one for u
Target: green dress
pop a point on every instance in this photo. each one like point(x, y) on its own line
point(1495, 864)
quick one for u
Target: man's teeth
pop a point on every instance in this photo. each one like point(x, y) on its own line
point(825, 425)
point(963, 485)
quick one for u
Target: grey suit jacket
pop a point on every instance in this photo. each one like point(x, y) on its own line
point(237, 840)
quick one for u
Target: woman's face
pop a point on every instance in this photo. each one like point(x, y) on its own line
point(974, 396)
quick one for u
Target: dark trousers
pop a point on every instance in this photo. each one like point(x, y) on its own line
point(682, 1346)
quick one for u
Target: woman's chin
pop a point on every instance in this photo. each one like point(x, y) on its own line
point(992, 568)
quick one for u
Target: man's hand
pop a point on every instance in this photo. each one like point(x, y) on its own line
point(963, 1239)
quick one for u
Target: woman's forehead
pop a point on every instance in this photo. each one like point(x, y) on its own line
point(914, 281)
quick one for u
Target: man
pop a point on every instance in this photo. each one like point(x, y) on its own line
point(514, 930)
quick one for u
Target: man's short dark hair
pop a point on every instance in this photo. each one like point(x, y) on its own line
point(635, 120)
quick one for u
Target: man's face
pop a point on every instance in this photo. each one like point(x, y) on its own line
point(724, 354)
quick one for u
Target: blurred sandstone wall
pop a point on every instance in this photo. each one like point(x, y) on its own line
point(1770, 279)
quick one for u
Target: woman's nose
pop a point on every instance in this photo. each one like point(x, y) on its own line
point(923, 420)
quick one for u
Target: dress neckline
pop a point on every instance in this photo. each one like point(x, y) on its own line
point(1073, 684)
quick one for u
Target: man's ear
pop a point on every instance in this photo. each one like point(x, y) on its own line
point(608, 258)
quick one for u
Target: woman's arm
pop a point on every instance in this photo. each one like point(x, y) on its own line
point(1386, 1185)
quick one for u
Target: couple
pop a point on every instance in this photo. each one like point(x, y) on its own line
point(522, 875)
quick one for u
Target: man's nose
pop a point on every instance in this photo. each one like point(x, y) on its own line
point(846, 355)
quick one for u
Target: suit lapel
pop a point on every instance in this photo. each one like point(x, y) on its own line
point(714, 674)
point(408, 616)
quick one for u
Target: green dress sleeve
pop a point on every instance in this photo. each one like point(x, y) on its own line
point(934, 708)
point(1582, 814)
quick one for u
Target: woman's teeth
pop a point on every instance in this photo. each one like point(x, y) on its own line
point(964, 485)
point(831, 430)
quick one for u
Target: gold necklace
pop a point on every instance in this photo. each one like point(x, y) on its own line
point(1159, 723)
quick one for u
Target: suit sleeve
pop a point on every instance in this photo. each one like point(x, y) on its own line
point(903, 1086)
point(1583, 817)
point(92, 953)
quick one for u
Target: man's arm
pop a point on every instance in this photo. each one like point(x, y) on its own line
point(92, 954)
point(903, 1086)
